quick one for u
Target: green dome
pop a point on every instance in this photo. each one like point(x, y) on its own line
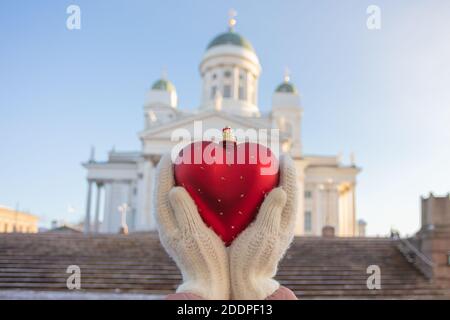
point(286, 87)
point(164, 85)
point(233, 38)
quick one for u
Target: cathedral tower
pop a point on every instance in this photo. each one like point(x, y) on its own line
point(287, 115)
point(230, 70)
point(161, 103)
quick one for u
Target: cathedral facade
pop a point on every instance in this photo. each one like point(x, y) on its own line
point(121, 189)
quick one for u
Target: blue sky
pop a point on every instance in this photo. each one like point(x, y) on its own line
point(384, 95)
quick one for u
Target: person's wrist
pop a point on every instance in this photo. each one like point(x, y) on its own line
point(252, 288)
point(211, 289)
point(263, 287)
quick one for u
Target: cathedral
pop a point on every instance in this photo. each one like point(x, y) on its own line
point(119, 190)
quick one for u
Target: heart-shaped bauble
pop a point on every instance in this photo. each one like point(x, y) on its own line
point(227, 181)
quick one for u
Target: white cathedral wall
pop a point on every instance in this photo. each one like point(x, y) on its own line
point(351, 212)
point(323, 200)
point(347, 218)
point(323, 204)
point(161, 97)
point(315, 178)
point(343, 213)
point(141, 199)
point(321, 207)
point(300, 171)
point(333, 196)
point(339, 205)
point(144, 218)
point(300, 227)
point(146, 222)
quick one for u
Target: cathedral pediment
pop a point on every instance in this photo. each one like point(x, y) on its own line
point(204, 120)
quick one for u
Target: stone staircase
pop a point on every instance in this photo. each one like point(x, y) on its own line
point(314, 268)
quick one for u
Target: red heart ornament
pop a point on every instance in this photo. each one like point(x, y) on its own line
point(227, 181)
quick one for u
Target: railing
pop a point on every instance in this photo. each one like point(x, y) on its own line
point(417, 258)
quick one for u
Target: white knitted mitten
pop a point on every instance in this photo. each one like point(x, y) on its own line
point(198, 252)
point(255, 253)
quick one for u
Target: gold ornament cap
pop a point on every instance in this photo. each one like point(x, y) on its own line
point(227, 134)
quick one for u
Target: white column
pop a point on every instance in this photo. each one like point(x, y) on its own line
point(220, 80)
point(87, 221)
point(144, 219)
point(300, 223)
point(318, 214)
point(347, 223)
point(352, 203)
point(343, 213)
point(97, 208)
point(141, 195)
point(150, 180)
point(333, 203)
point(107, 211)
point(235, 84)
point(131, 213)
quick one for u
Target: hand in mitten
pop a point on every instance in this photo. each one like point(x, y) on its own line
point(198, 252)
point(255, 253)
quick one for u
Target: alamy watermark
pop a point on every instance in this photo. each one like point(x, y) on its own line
point(74, 280)
point(73, 21)
point(373, 21)
point(374, 280)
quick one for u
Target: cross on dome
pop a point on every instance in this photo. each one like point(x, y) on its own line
point(286, 86)
point(287, 74)
point(231, 20)
point(164, 73)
